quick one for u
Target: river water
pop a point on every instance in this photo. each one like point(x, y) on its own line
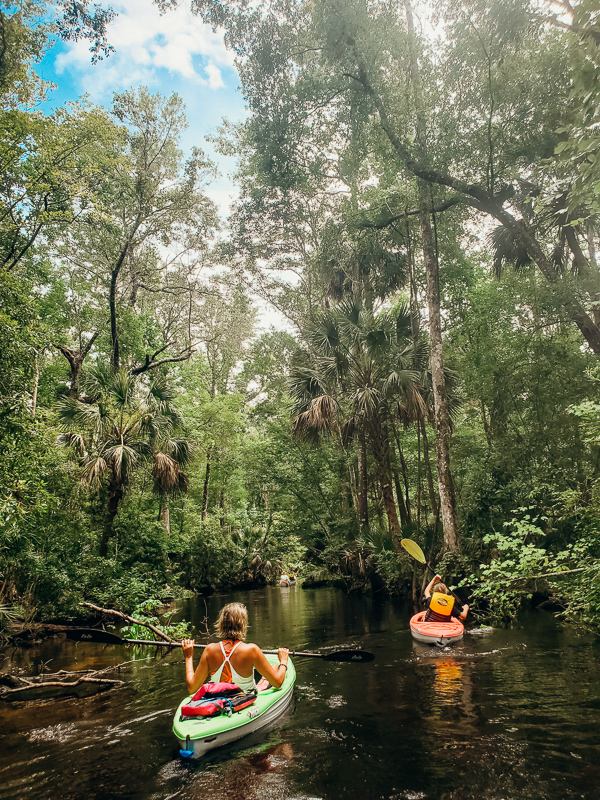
point(508, 714)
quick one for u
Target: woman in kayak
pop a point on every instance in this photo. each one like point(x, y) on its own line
point(440, 603)
point(232, 660)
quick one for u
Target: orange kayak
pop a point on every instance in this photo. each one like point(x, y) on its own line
point(440, 633)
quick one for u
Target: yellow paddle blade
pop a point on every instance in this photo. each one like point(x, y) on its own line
point(413, 549)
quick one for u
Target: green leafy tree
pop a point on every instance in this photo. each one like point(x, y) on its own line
point(125, 425)
point(137, 244)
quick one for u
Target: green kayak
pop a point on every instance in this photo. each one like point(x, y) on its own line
point(198, 735)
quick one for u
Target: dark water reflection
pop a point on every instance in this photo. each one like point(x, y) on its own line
point(510, 714)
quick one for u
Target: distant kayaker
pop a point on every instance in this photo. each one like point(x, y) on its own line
point(285, 579)
point(232, 659)
point(440, 603)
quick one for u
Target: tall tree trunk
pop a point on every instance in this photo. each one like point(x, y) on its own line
point(222, 508)
point(36, 382)
point(415, 596)
point(363, 498)
point(381, 447)
point(486, 425)
point(435, 506)
point(164, 514)
point(400, 495)
point(76, 359)
point(393, 467)
point(114, 330)
point(443, 427)
point(115, 495)
point(112, 295)
point(404, 473)
point(419, 477)
point(354, 491)
point(206, 484)
point(345, 488)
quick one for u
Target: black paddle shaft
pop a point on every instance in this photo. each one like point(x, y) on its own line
point(104, 637)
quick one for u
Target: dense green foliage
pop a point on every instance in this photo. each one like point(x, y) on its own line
point(154, 440)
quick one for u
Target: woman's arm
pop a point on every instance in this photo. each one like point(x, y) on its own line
point(194, 680)
point(464, 612)
point(275, 675)
point(429, 586)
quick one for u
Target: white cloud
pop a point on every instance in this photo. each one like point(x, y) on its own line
point(215, 79)
point(146, 42)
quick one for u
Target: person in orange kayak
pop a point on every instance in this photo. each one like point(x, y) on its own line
point(440, 603)
point(232, 659)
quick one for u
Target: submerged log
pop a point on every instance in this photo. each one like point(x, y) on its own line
point(58, 690)
point(32, 632)
point(58, 685)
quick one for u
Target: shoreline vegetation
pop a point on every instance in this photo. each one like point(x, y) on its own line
point(424, 213)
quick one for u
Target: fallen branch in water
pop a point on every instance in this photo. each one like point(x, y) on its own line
point(43, 684)
point(11, 694)
point(132, 621)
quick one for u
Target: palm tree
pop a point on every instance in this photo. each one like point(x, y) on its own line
point(124, 422)
point(356, 367)
point(169, 478)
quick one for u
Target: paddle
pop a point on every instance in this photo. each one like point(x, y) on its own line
point(415, 551)
point(96, 635)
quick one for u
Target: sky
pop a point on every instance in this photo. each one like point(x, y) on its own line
point(175, 52)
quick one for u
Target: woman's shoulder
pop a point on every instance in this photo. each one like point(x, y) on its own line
point(249, 648)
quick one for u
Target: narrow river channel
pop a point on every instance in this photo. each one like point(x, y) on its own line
point(505, 715)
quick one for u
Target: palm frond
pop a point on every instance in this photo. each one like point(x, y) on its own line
point(319, 418)
point(324, 335)
point(122, 459)
point(400, 380)
point(406, 320)
point(155, 425)
point(350, 312)
point(12, 612)
point(162, 396)
point(181, 449)
point(350, 429)
point(412, 406)
point(122, 389)
point(420, 355)
point(378, 340)
point(367, 399)
point(98, 381)
point(305, 382)
point(74, 440)
point(165, 473)
point(339, 285)
point(92, 471)
point(507, 250)
point(73, 413)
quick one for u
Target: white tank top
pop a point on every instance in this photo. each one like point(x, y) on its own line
point(246, 684)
